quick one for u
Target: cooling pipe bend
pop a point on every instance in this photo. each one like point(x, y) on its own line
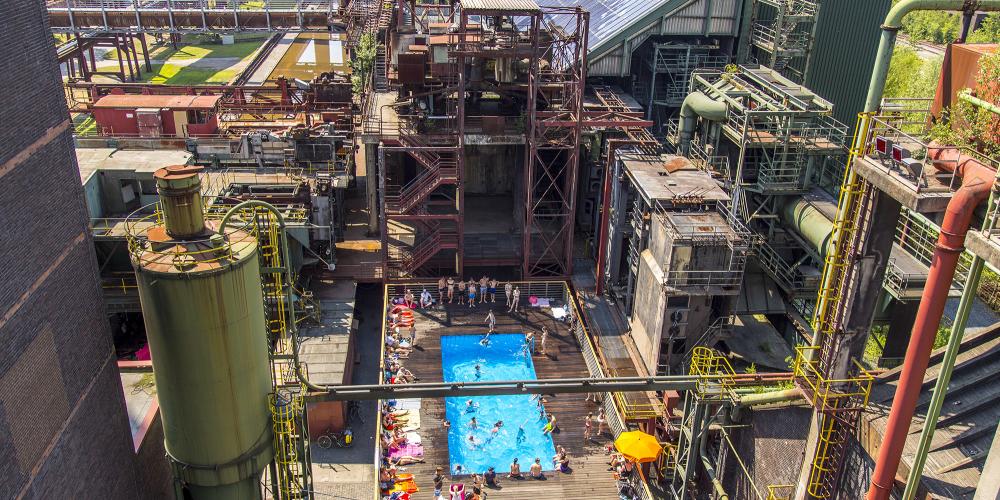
point(977, 180)
point(697, 104)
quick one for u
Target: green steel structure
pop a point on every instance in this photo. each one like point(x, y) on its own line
point(203, 308)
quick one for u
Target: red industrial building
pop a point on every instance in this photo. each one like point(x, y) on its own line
point(157, 115)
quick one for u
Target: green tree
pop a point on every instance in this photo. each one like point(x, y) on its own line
point(363, 62)
point(988, 31)
point(911, 76)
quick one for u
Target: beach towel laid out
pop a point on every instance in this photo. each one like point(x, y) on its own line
point(413, 438)
point(406, 484)
point(412, 422)
point(542, 302)
point(408, 450)
point(558, 312)
point(407, 404)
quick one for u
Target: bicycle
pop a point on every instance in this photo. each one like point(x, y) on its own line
point(354, 413)
point(330, 439)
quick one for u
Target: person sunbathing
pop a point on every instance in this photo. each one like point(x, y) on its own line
point(406, 460)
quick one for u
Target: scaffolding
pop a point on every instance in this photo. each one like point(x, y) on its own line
point(703, 433)
point(664, 76)
point(423, 222)
point(782, 33)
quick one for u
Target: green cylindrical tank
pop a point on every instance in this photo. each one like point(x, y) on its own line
point(180, 198)
point(203, 308)
point(809, 222)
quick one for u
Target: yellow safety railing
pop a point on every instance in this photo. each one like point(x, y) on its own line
point(124, 284)
point(835, 263)
point(718, 374)
point(829, 394)
point(780, 491)
point(210, 250)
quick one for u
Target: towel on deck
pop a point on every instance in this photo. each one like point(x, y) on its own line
point(412, 422)
point(542, 302)
point(408, 404)
point(558, 312)
point(408, 450)
point(413, 438)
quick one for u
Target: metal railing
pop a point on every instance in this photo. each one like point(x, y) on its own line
point(828, 394)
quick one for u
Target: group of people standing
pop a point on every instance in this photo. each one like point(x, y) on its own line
point(485, 290)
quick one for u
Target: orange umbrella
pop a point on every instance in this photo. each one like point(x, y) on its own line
point(638, 446)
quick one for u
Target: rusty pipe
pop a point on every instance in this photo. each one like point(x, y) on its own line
point(977, 180)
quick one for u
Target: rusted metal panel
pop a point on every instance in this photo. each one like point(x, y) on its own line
point(959, 71)
point(134, 101)
point(500, 5)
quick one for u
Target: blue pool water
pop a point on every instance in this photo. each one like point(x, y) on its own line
point(504, 358)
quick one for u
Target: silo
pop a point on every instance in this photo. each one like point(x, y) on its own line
point(203, 308)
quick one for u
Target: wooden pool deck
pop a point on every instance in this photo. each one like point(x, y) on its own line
point(589, 478)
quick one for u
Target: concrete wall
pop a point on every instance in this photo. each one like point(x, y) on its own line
point(648, 315)
point(64, 428)
point(491, 170)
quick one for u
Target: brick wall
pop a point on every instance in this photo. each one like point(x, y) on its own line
point(64, 430)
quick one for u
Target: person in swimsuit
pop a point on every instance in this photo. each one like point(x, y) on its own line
point(515, 296)
point(461, 292)
point(508, 288)
point(492, 289)
point(472, 294)
point(482, 288)
point(588, 426)
point(442, 289)
point(451, 290)
point(601, 422)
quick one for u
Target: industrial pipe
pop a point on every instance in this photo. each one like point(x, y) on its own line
point(766, 398)
point(966, 95)
point(720, 490)
point(977, 180)
point(697, 104)
point(289, 306)
point(809, 222)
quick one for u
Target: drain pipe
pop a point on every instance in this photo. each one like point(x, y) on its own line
point(697, 104)
point(977, 182)
point(957, 332)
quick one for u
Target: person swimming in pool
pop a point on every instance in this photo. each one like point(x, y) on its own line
point(479, 371)
point(520, 435)
point(473, 424)
point(470, 407)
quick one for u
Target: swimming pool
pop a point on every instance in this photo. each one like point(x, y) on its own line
point(504, 358)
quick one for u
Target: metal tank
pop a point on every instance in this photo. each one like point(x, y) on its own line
point(203, 308)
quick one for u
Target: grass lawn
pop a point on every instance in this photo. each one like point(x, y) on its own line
point(240, 50)
point(84, 124)
point(186, 75)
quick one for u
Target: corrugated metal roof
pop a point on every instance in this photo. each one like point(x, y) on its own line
point(510, 5)
point(608, 17)
point(158, 101)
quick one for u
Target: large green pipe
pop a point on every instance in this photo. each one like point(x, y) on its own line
point(203, 309)
point(809, 222)
point(697, 104)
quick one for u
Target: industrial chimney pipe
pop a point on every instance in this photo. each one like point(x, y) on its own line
point(977, 181)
